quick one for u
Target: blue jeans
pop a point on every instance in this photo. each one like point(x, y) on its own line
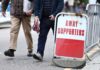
point(45, 25)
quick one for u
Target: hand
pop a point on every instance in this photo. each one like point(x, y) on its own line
point(29, 13)
point(52, 17)
point(36, 19)
point(4, 13)
point(36, 24)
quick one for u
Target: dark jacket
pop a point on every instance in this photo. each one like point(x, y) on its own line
point(57, 7)
point(98, 1)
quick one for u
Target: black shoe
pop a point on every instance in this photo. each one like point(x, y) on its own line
point(30, 54)
point(9, 52)
point(38, 57)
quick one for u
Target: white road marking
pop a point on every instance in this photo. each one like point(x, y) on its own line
point(0, 53)
point(68, 69)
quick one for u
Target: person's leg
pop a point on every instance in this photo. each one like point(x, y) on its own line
point(27, 31)
point(44, 29)
point(15, 26)
point(52, 26)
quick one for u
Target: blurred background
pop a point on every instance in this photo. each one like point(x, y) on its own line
point(77, 6)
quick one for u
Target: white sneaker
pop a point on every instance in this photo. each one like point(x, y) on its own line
point(37, 56)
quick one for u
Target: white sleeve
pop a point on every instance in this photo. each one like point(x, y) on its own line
point(27, 5)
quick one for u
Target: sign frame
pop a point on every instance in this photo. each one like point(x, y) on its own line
point(55, 34)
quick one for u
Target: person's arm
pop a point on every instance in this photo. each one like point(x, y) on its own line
point(28, 5)
point(37, 15)
point(4, 6)
point(36, 10)
point(37, 7)
point(59, 7)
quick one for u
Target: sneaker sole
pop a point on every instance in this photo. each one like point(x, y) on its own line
point(29, 55)
point(37, 58)
point(8, 55)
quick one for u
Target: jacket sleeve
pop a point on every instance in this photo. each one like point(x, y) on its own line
point(59, 8)
point(37, 7)
point(5, 4)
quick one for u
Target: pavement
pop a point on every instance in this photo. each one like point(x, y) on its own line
point(22, 62)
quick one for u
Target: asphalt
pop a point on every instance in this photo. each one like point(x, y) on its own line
point(22, 62)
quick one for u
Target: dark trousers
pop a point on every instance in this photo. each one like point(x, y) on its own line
point(45, 25)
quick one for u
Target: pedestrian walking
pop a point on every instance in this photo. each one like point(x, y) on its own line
point(98, 1)
point(45, 12)
point(19, 16)
point(80, 6)
point(71, 5)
